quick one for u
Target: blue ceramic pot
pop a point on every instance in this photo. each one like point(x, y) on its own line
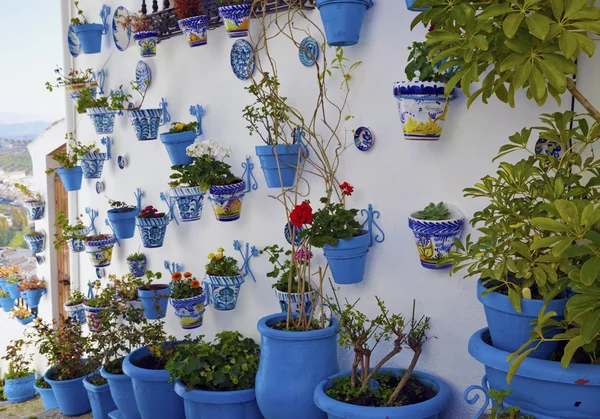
point(226, 200)
point(280, 160)
point(3, 284)
point(236, 19)
point(343, 20)
point(71, 178)
point(296, 298)
point(189, 202)
point(223, 291)
point(123, 222)
point(122, 393)
point(541, 388)
point(137, 268)
point(19, 389)
point(100, 251)
point(176, 145)
point(100, 399)
point(146, 123)
point(35, 209)
point(74, 90)
point(509, 329)
point(76, 312)
point(70, 395)
point(47, 395)
point(26, 320)
point(92, 315)
point(301, 358)
point(190, 311)
point(13, 290)
point(409, 6)
point(157, 294)
point(35, 243)
point(201, 404)
point(7, 304)
point(103, 119)
point(33, 297)
point(77, 245)
point(430, 409)
point(347, 260)
point(90, 37)
point(154, 394)
point(92, 165)
point(152, 230)
point(195, 30)
point(146, 42)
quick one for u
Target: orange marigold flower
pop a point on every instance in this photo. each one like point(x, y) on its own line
point(187, 275)
point(176, 276)
point(195, 283)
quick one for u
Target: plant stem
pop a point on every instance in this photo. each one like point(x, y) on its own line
point(405, 378)
point(397, 349)
point(594, 113)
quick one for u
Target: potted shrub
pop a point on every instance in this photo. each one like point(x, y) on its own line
point(99, 249)
point(187, 298)
point(435, 228)
point(71, 174)
point(394, 393)
point(97, 306)
point(177, 140)
point(236, 17)
point(74, 82)
point(224, 384)
point(75, 306)
point(6, 301)
point(19, 379)
point(154, 296)
point(22, 314)
point(89, 34)
point(136, 262)
point(73, 235)
point(342, 20)
point(223, 281)
point(46, 393)
point(126, 292)
point(122, 219)
point(422, 100)
point(34, 205)
point(12, 285)
point(33, 288)
point(7, 272)
point(35, 241)
point(192, 22)
point(101, 110)
point(185, 189)
point(152, 226)
point(144, 33)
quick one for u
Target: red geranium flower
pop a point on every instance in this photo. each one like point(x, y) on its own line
point(346, 188)
point(302, 214)
point(431, 29)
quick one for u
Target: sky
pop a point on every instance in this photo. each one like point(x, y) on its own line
point(30, 50)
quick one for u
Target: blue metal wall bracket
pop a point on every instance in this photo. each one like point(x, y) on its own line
point(109, 224)
point(107, 141)
point(173, 267)
point(248, 175)
point(138, 197)
point(100, 272)
point(90, 293)
point(248, 254)
point(298, 136)
point(484, 387)
point(199, 112)
point(171, 205)
point(166, 116)
point(100, 77)
point(104, 13)
point(376, 235)
point(93, 214)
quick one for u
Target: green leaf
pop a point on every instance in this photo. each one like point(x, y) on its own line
point(570, 349)
point(558, 7)
point(537, 84)
point(522, 74)
point(568, 43)
point(511, 61)
point(567, 210)
point(495, 10)
point(511, 24)
point(588, 26)
point(574, 6)
point(545, 242)
point(440, 35)
point(586, 44)
point(556, 77)
point(515, 299)
point(538, 25)
point(561, 246)
point(590, 270)
point(549, 224)
point(591, 327)
point(565, 65)
point(514, 366)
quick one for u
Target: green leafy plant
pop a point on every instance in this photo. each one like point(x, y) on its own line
point(126, 287)
point(421, 67)
point(119, 206)
point(137, 256)
point(76, 150)
point(19, 361)
point(79, 18)
point(185, 286)
point(432, 212)
point(150, 212)
point(281, 270)
point(41, 383)
point(177, 127)
point(66, 231)
point(330, 224)
point(116, 100)
point(4, 294)
point(103, 297)
point(34, 233)
point(221, 265)
point(29, 195)
point(499, 411)
point(76, 298)
point(73, 77)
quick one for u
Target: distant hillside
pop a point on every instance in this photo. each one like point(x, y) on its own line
point(23, 130)
point(11, 161)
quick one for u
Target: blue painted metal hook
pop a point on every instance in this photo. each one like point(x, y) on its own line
point(173, 267)
point(249, 253)
point(199, 112)
point(93, 214)
point(138, 197)
point(100, 77)
point(248, 175)
point(372, 215)
point(484, 387)
point(108, 223)
point(171, 205)
point(298, 136)
point(104, 13)
point(107, 141)
point(166, 116)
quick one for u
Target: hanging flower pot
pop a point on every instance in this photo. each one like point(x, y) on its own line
point(422, 107)
point(146, 42)
point(3, 284)
point(145, 122)
point(189, 202)
point(99, 249)
point(92, 165)
point(222, 291)
point(279, 163)
point(13, 290)
point(236, 19)
point(226, 200)
point(410, 6)
point(33, 297)
point(154, 300)
point(77, 245)
point(190, 311)
point(19, 390)
point(93, 316)
point(152, 230)
point(76, 312)
point(347, 259)
point(7, 303)
point(34, 209)
point(26, 320)
point(176, 145)
point(71, 178)
point(74, 90)
point(46, 393)
point(90, 37)
point(195, 30)
point(137, 267)
point(123, 222)
point(103, 119)
point(295, 299)
point(101, 400)
point(35, 241)
point(343, 20)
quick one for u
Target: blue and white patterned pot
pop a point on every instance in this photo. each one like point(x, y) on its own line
point(92, 315)
point(100, 251)
point(35, 243)
point(236, 19)
point(435, 238)
point(189, 202)
point(195, 30)
point(35, 209)
point(423, 108)
point(137, 268)
point(76, 245)
point(146, 42)
point(146, 123)
point(152, 230)
point(226, 200)
point(190, 311)
point(103, 119)
point(76, 312)
point(296, 299)
point(222, 291)
point(74, 90)
point(92, 165)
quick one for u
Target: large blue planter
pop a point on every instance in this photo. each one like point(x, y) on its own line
point(71, 395)
point(7, 304)
point(103, 119)
point(35, 209)
point(158, 294)
point(137, 268)
point(146, 123)
point(430, 409)
point(19, 389)
point(33, 297)
point(541, 388)
point(71, 178)
point(201, 404)
point(122, 222)
point(47, 395)
point(343, 20)
point(100, 398)
point(347, 260)
point(189, 202)
point(510, 329)
point(13, 290)
point(176, 145)
point(409, 6)
point(278, 159)
point(154, 394)
point(35, 243)
point(122, 394)
point(222, 291)
point(152, 230)
point(92, 165)
point(291, 365)
point(90, 37)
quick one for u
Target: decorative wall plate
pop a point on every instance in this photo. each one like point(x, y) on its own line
point(142, 76)
point(363, 138)
point(242, 59)
point(122, 162)
point(74, 46)
point(288, 235)
point(99, 187)
point(543, 146)
point(121, 36)
point(308, 51)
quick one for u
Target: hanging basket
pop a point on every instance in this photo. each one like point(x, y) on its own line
point(35, 243)
point(342, 20)
point(103, 119)
point(145, 122)
point(100, 251)
point(279, 163)
point(152, 230)
point(34, 209)
point(226, 200)
point(90, 37)
point(195, 30)
point(74, 90)
point(76, 312)
point(122, 222)
point(71, 178)
point(222, 291)
point(190, 311)
point(236, 19)
point(177, 144)
point(137, 268)
point(146, 42)
point(348, 258)
point(189, 202)
point(92, 165)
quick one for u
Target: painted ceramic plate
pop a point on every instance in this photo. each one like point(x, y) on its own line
point(288, 235)
point(242, 59)
point(121, 34)
point(363, 138)
point(99, 187)
point(543, 146)
point(142, 76)
point(74, 46)
point(122, 162)
point(308, 51)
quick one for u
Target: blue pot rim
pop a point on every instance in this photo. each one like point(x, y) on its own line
point(232, 189)
point(145, 34)
point(93, 309)
point(183, 191)
point(222, 280)
point(43, 390)
point(34, 203)
point(367, 3)
point(265, 330)
point(235, 8)
point(94, 156)
point(193, 21)
point(178, 137)
point(417, 89)
point(60, 383)
point(114, 377)
point(86, 27)
point(33, 239)
point(282, 150)
point(95, 389)
point(100, 111)
point(26, 379)
point(355, 242)
point(143, 113)
point(151, 292)
point(114, 214)
point(143, 374)
point(75, 170)
point(161, 221)
point(215, 397)
point(99, 243)
point(187, 301)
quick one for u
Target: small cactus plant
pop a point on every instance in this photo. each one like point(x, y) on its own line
point(433, 211)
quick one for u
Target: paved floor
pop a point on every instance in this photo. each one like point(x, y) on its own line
point(33, 409)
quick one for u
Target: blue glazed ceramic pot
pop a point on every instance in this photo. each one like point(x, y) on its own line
point(92, 315)
point(430, 409)
point(152, 230)
point(47, 395)
point(541, 388)
point(302, 358)
point(226, 200)
point(409, 6)
point(13, 290)
point(92, 165)
point(33, 297)
point(70, 395)
point(145, 122)
point(190, 311)
point(76, 312)
point(296, 299)
point(100, 251)
point(71, 178)
point(100, 398)
point(154, 394)
point(123, 222)
point(103, 119)
point(90, 37)
point(35, 209)
point(509, 329)
point(122, 393)
point(137, 268)
point(195, 30)
point(35, 243)
point(342, 20)
point(74, 90)
point(176, 145)
point(223, 291)
point(3, 284)
point(201, 404)
point(157, 294)
point(189, 202)
point(280, 159)
point(77, 245)
point(347, 260)
point(146, 42)
point(26, 320)
point(19, 389)
point(7, 304)
point(236, 19)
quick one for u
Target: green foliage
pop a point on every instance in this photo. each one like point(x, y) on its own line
point(177, 127)
point(17, 241)
point(281, 270)
point(221, 265)
point(66, 231)
point(330, 224)
point(73, 77)
point(19, 161)
point(116, 100)
point(103, 297)
point(19, 361)
point(27, 193)
point(433, 211)
point(498, 409)
point(76, 150)
point(126, 287)
point(121, 206)
point(230, 363)
point(79, 18)
point(137, 256)
point(75, 298)
point(41, 383)
point(203, 172)
point(2, 395)
point(185, 286)
point(421, 67)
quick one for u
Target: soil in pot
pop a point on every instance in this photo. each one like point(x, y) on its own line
point(149, 362)
point(282, 325)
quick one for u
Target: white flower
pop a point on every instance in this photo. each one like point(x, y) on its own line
point(210, 148)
